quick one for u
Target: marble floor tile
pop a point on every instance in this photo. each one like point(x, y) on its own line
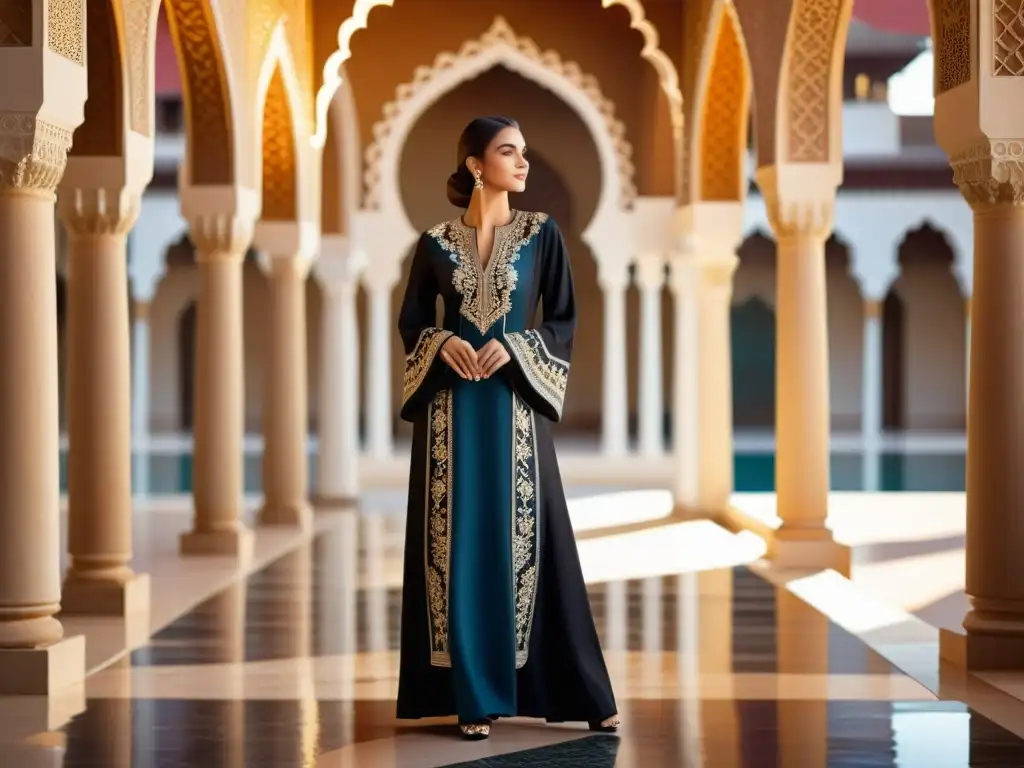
point(295, 664)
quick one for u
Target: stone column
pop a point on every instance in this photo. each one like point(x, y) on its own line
point(797, 79)
point(613, 277)
point(338, 270)
point(967, 368)
point(99, 579)
point(222, 237)
point(801, 226)
point(979, 122)
point(39, 110)
point(379, 428)
point(290, 248)
point(650, 274)
point(871, 396)
point(702, 284)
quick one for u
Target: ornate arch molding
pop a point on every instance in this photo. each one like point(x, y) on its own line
point(209, 118)
point(499, 45)
point(651, 52)
point(721, 113)
point(285, 158)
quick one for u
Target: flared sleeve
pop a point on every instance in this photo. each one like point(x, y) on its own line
point(539, 368)
point(425, 372)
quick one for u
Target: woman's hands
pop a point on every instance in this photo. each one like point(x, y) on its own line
point(491, 357)
point(461, 357)
point(474, 364)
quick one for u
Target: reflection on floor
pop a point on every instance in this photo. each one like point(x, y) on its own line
point(297, 666)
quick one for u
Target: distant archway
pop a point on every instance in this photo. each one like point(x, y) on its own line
point(499, 46)
point(753, 364)
point(187, 368)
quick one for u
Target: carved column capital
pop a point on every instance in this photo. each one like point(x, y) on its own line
point(800, 199)
point(990, 173)
point(221, 236)
point(98, 210)
point(33, 154)
point(650, 272)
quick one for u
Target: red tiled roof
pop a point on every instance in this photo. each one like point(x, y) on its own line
point(908, 17)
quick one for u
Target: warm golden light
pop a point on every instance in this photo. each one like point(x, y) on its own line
point(662, 63)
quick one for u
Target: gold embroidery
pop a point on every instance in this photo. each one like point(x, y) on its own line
point(525, 517)
point(547, 374)
point(438, 533)
point(418, 363)
point(487, 293)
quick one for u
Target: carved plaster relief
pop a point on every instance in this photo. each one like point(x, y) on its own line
point(951, 20)
point(279, 177)
point(726, 110)
point(65, 25)
point(810, 56)
point(499, 37)
point(1008, 38)
point(207, 104)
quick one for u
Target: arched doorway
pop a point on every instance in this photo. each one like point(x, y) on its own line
point(565, 181)
point(753, 336)
point(186, 367)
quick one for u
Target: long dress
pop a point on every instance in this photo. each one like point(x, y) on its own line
point(496, 621)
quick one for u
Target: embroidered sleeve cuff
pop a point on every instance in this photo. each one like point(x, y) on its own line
point(419, 361)
point(546, 374)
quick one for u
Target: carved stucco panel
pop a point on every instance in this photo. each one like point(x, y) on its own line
point(139, 18)
point(952, 40)
point(207, 98)
point(723, 125)
point(812, 43)
point(1008, 38)
point(65, 24)
point(279, 171)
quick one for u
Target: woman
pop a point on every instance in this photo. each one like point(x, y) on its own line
point(495, 616)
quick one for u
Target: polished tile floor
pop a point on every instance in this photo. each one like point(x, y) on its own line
point(296, 666)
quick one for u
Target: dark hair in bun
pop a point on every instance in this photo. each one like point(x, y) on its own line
point(473, 142)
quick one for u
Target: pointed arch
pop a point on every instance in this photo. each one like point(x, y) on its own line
point(499, 45)
point(720, 111)
point(209, 117)
point(287, 167)
point(651, 52)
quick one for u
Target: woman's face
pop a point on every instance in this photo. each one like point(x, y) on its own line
point(504, 165)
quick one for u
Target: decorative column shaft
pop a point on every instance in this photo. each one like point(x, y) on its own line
point(380, 437)
point(99, 580)
point(614, 280)
point(338, 462)
point(702, 284)
point(650, 272)
point(221, 243)
point(49, 91)
point(285, 412)
point(290, 246)
point(871, 396)
point(800, 212)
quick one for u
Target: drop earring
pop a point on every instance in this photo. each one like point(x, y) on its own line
point(479, 183)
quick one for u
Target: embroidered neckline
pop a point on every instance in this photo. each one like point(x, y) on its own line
point(486, 291)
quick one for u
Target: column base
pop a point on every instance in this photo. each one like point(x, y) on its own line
point(299, 516)
point(95, 597)
point(237, 543)
point(982, 651)
point(801, 551)
point(332, 503)
point(43, 671)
